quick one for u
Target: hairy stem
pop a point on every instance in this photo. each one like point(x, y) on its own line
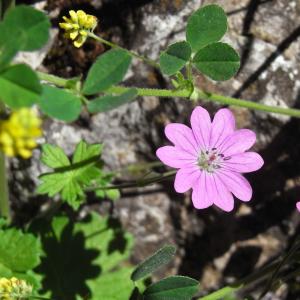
point(137, 183)
point(147, 60)
point(196, 96)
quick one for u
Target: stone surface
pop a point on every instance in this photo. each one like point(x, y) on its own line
point(212, 245)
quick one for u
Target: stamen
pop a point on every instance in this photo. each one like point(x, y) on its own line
point(210, 160)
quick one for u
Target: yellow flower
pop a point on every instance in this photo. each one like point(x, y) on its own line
point(77, 27)
point(14, 289)
point(18, 134)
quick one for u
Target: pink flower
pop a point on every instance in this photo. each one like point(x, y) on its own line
point(210, 157)
point(298, 206)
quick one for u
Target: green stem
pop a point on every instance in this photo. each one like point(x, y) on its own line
point(196, 95)
point(189, 71)
point(150, 62)
point(137, 183)
point(4, 192)
point(150, 92)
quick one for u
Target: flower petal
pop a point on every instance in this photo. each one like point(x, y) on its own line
point(221, 195)
point(186, 178)
point(236, 184)
point(222, 126)
point(244, 162)
point(201, 125)
point(238, 142)
point(174, 157)
point(182, 137)
point(298, 206)
point(200, 196)
point(210, 190)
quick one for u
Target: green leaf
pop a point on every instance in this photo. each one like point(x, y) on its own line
point(54, 157)
point(19, 252)
point(109, 102)
point(175, 57)
point(103, 181)
point(60, 104)
point(19, 86)
point(154, 262)
point(9, 45)
point(219, 61)
point(172, 288)
point(69, 180)
point(110, 68)
point(85, 258)
point(30, 23)
point(207, 25)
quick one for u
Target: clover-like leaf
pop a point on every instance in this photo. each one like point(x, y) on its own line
point(175, 58)
point(110, 68)
point(60, 104)
point(109, 102)
point(174, 287)
point(9, 45)
point(31, 24)
point(207, 25)
point(19, 86)
point(219, 61)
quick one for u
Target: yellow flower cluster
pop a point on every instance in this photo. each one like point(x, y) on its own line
point(18, 134)
point(77, 27)
point(14, 289)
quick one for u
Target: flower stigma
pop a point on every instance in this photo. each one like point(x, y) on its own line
point(210, 160)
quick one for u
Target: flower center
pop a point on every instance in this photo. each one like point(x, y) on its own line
point(211, 160)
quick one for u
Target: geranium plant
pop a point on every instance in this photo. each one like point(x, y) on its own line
point(62, 255)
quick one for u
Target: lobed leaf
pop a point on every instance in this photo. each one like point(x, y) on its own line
point(110, 68)
point(54, 157)
point(69, 180)
point(207, 25)
point(84, 258)
point(219, 61)
point(175, 58)
point(19, 252)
